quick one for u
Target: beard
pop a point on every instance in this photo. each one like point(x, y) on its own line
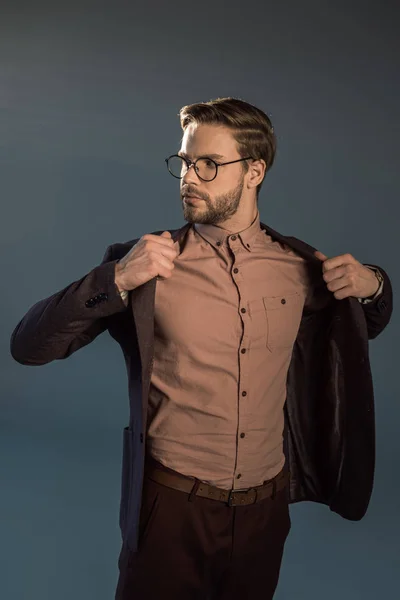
point(213, 213)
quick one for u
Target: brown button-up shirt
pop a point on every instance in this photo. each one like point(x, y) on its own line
point(225, 325)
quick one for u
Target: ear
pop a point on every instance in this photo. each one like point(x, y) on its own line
point(256, 172)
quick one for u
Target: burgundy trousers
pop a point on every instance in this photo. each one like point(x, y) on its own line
point(204, 549)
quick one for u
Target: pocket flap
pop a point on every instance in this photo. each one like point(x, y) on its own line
point(274, 302)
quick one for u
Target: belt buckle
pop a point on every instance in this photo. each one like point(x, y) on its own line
point(230, 497)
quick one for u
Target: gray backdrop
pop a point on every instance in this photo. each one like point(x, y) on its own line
point(89, 96)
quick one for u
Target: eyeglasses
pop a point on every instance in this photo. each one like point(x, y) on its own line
point(206, 168)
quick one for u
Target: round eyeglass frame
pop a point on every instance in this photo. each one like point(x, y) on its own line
point(190, 163)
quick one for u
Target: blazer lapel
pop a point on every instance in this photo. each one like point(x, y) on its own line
point(142, 305)
point(305, 250)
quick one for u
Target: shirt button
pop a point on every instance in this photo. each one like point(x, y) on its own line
point(242, 435)
point(236, 270)
point(283, 301)
point(238, 476)
point(218, 243)
point(242, 310)
point(243, 350)
point(244, 393)
point(233, 237)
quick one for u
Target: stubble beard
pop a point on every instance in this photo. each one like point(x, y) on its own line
point(213, 213)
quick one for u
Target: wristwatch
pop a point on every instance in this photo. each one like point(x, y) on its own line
point(379, 276)
point(381, 280)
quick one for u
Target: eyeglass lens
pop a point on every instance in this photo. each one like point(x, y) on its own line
point(205, 167)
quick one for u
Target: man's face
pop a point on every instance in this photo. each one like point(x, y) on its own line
point(220, 198)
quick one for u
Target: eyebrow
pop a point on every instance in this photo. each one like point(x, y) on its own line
point(217, 156)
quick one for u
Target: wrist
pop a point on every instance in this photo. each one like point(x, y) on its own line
point(118, 280)
point(378, 281)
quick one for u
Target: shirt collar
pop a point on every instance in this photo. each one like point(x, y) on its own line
point(218, 236)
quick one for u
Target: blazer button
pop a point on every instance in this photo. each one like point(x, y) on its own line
point(90, 303)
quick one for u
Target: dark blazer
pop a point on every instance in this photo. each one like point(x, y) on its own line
point(329, 412)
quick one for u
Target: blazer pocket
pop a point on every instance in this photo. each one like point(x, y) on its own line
point(283, 319)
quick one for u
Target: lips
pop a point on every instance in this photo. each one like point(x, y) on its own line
point(193, 199)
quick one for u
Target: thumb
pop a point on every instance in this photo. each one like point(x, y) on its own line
point(166, 234)
point(320, 255)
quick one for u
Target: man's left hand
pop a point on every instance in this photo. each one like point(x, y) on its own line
point(346, 277)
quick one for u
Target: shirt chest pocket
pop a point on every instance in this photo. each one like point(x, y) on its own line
point(283, 316)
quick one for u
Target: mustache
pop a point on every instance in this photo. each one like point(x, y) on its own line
point(191, 192)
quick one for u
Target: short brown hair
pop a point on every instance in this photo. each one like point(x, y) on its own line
point(251, 127)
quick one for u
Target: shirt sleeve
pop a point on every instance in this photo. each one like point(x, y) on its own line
point(124, 295)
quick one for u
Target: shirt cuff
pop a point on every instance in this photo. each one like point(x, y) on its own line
point(124, 296)
point(378, 293)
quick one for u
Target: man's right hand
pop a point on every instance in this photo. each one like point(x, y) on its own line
point(152, 255)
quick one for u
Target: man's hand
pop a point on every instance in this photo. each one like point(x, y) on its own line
point(152, 255)
point(346, 277)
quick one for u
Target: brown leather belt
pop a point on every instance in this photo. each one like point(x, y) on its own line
point(195, 487)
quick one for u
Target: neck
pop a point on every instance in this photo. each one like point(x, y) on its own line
point(240, 220)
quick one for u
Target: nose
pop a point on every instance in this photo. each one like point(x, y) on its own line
point(190, 175)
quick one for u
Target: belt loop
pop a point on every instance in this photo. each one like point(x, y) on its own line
point(194, 490)
point(273, 489)
point(256, 496)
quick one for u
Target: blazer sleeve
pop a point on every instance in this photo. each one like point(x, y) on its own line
point(56, 327)
point(378, 312)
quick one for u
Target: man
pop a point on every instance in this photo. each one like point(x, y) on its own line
point(249, 378)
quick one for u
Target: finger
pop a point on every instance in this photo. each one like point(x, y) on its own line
point(168, 252)
point(163, 261)
point(343, 293)
point(338, 261)
point(332, 274)
point(337, 284)
point(159, 239)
